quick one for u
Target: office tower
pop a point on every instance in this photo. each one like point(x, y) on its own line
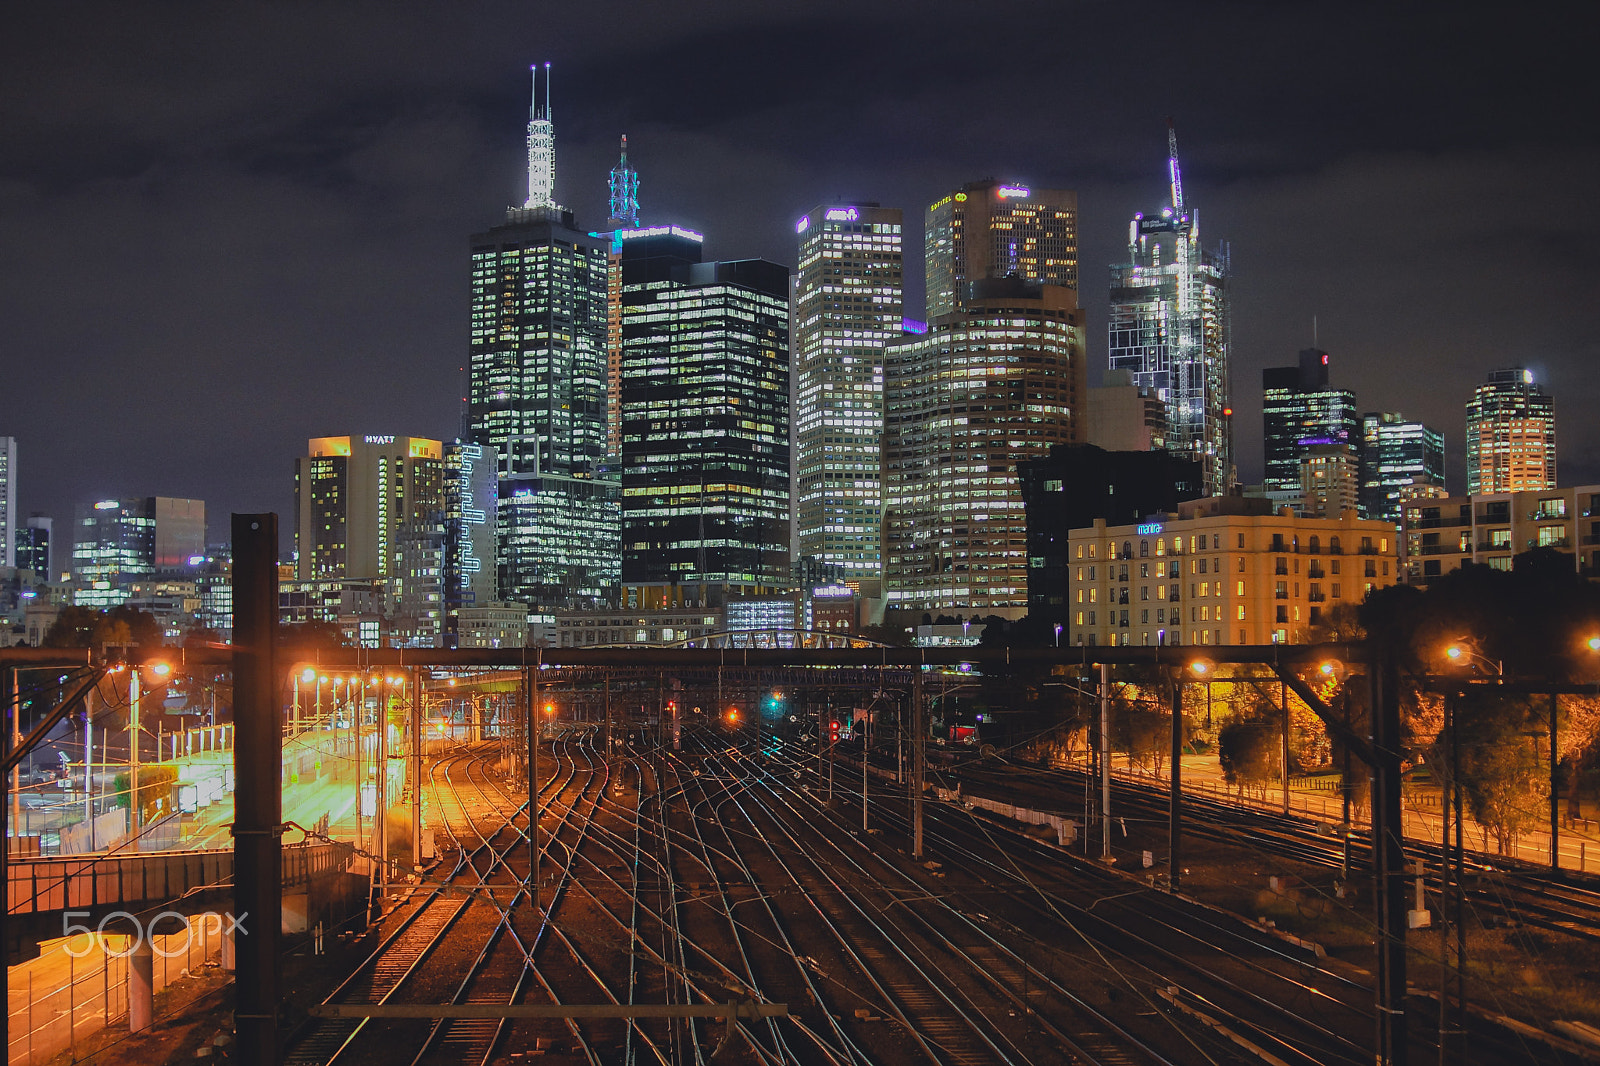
point(1123, 417)
point(1168, 325)
point(117, 541)
point(1299, 410)
point(985, 388)
point(1330, 480)
point(1399, 460)
point(1074, 485)
point(705, 416)
point(372, 508)
point(33, 546)
point(1511, 435)
point(8, 501)
point(470, 491)
point(624, 215)
point(991, 229)
point(537, 392)
point(849, 304)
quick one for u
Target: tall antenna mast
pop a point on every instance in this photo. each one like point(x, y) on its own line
point(624, 192)
point(541, 146)
point(1172, 167)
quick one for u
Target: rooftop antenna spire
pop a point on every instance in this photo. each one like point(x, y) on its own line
point(1172, 167)
point(541, 146)
point(624, 192)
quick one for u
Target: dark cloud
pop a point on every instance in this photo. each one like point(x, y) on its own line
point(230, 227)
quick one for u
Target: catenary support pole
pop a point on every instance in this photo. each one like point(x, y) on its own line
point(1283, 750)
point(919, 761)
point(1105, 762)
point(1175, 800)
point(1555, 795)
point(258, 814)
point(1388, 847)
point(416, 764)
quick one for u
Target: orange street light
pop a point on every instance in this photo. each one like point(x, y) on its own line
point(1201, 667)
point(308, 675)
point(733, 714)
point(1594, 643)
point(1328, 668)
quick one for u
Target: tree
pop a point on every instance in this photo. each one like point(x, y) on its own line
point(311, 635)
point(1503, 775)
point(73, 628)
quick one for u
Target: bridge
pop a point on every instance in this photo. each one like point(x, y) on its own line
point(42, 890)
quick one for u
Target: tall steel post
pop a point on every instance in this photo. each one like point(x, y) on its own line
point(919, 761)
point(1283, 750)
point(530, 686)
point(1175, 797)
point(16, 771)
point(1105, 762)
point(1389, 858)
point(416, 767)
point(134, 821)
point(381, 761)
point(258, 813)
point(1555, 796)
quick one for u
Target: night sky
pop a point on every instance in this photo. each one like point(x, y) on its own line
point(230, 227)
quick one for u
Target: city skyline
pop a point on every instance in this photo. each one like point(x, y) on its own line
point(352, 178)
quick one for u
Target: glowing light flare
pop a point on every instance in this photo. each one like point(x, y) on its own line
point(1594, 643)
point(308, 675)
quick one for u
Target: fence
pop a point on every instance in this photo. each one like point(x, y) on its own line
point(79, 986)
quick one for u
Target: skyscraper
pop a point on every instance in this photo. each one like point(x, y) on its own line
point(8, 501)
point(1397, 457)
point(1168, 325)
point(470, 492)
point(987, 387)
point(624, 189)
point(1299, 411)
point(705, 416)
point(537, 391)
point(1511, 435)
point(116, 541)
point(33, 546)
point(372, 508)
point(849, 304)
point(1330, 480)
point(991, 229)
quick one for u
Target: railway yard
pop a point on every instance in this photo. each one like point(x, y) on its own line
point(733, 870)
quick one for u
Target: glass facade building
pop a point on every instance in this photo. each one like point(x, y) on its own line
point(537, 396)
point(1397, 456)
point(705, 416)
point(1299, 411)
point(8, 501)
point(1168, 326)
point(984, 389)
point(470, 491)
point(1511, 435)
point(992, 229)
point(849, 304)
point(118, 541)
point(372, 509)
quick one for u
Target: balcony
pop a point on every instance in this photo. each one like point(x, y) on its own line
point(1318, 597)
point(1316, 572)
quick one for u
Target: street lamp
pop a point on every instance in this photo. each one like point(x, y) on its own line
point(1463, 654)
point(1058, 634)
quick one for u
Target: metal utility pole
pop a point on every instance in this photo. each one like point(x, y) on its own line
point(1283, 751)
point(530, 688)
point(1555, 796)
point(381, 822)
point(16, 742)
point(1388, 851)
point(865, 719)
point(133, 749)
point(919, 761)
point(1175, 798)
point(1105, 762)
point(416, 768)
point(258, 813)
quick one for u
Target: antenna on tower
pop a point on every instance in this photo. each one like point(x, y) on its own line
point(541, 146)
point(624, 192)
point(1172, 167)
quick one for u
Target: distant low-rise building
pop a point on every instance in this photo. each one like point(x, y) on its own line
point(1439, 535)
point(493, 625)
point(1224, 570)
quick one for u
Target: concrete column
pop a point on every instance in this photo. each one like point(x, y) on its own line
point(141, 987)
